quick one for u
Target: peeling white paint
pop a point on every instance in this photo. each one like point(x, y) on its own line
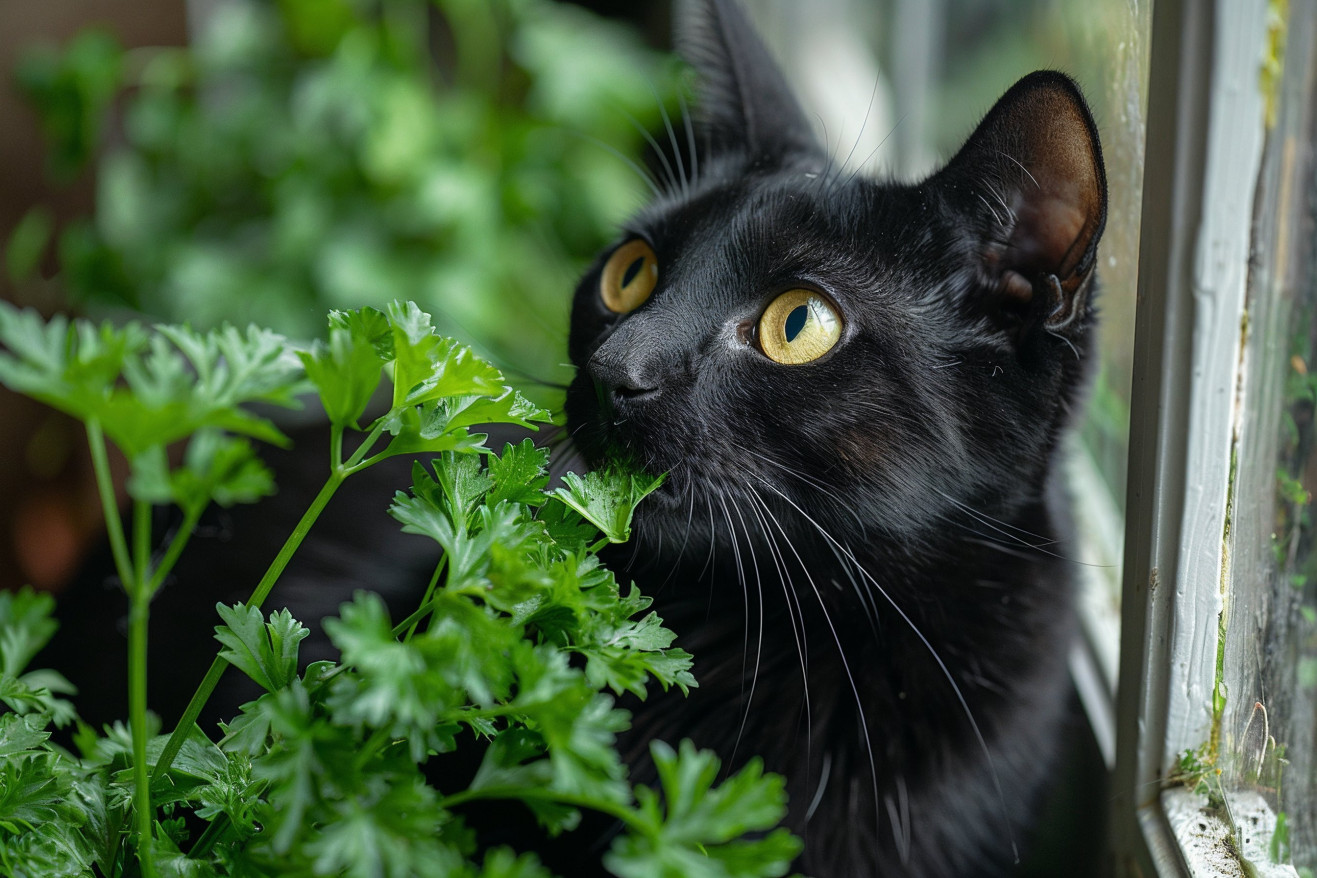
point(1233, 160)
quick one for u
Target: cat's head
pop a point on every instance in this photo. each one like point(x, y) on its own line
point(788, 340)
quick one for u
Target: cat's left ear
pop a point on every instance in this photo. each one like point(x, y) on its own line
point(1031, 177)
point(746, 105)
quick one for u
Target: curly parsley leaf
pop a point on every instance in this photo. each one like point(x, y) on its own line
point(519, 474)
point(148, 390)
point(264, 651)
point(427, 366)
point(694, 829)
point(346, 370)
point(607, 500)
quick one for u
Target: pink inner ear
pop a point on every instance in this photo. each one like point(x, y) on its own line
point(1060, 197)
point(1050, 235)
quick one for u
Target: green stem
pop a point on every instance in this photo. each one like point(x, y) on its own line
point(206, 843)
point(272, 574)
point(141, 543)
point(613, 809)
point(109, 505)
point(139, 611)
point(414, 619)
point(367, 751)
point(175, 549)
point(131, 575)
point(354, 463)
point(335, 447)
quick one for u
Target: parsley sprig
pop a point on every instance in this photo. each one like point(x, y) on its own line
point(522, 639)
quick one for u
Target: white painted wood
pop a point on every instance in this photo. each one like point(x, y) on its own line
point(1234, 139)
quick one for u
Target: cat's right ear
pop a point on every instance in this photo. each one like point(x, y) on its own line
point(1030, 180)
point(745, 103)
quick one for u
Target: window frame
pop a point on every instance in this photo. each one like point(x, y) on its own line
point(1205, 145)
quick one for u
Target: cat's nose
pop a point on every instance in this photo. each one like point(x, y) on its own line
point(625, 372)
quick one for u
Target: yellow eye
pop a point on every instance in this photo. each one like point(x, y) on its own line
point(630, 275)
point(799, 326)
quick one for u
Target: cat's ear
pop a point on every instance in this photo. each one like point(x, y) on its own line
point(745, 102)
point(1031, 178)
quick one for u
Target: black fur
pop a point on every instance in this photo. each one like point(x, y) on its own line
point(867, 553)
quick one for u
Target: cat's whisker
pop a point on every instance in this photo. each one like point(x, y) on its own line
point(994, 545)
point(990, 208)
point(825, 774)
point(713, 542)
point(1074, 350)
point(745, 642)
point(635, 552)
point(631, 163)
point(669, 175)
point(946, 672)
point(841, 650)
point(690, 137)
point(1005, 529)
point(855, 172)
point(759, 642)
point(1027, 172)
point(672, 139)
point(861, 590)
point(997, 196)
point(822, 183)
point(795, 617)
point(794, 472)
point(864, 123)
point(899, 813)
point(1001, 527)
point(686, 534)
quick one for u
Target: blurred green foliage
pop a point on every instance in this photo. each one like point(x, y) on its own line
point(313, 154)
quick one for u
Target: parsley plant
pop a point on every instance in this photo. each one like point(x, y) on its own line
point(521, 638)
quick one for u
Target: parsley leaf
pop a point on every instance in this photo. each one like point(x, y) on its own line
point(694, 829)
point(607, 501)
point(264, 651)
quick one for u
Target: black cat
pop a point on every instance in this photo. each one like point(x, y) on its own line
point(858, 391)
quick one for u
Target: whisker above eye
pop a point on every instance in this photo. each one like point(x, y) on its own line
point(672, 139)
point(690, 136)
point(669, 175)
point(631, 163)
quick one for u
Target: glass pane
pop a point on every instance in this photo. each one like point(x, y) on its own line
point(1104, 45)
point(1265, 732)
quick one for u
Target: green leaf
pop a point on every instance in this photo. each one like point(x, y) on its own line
point(19, 734)
point(220, 469)
point(28, 243)
point(25, 627)
point(148, 390)
point(29, 793)
point(248, 732)
point(441, 425)
point(693, 828)
point(427, 366)
point(347, 370)
point(264, 651)
point(503, 863)
point(519, 474)
point(606, 500)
